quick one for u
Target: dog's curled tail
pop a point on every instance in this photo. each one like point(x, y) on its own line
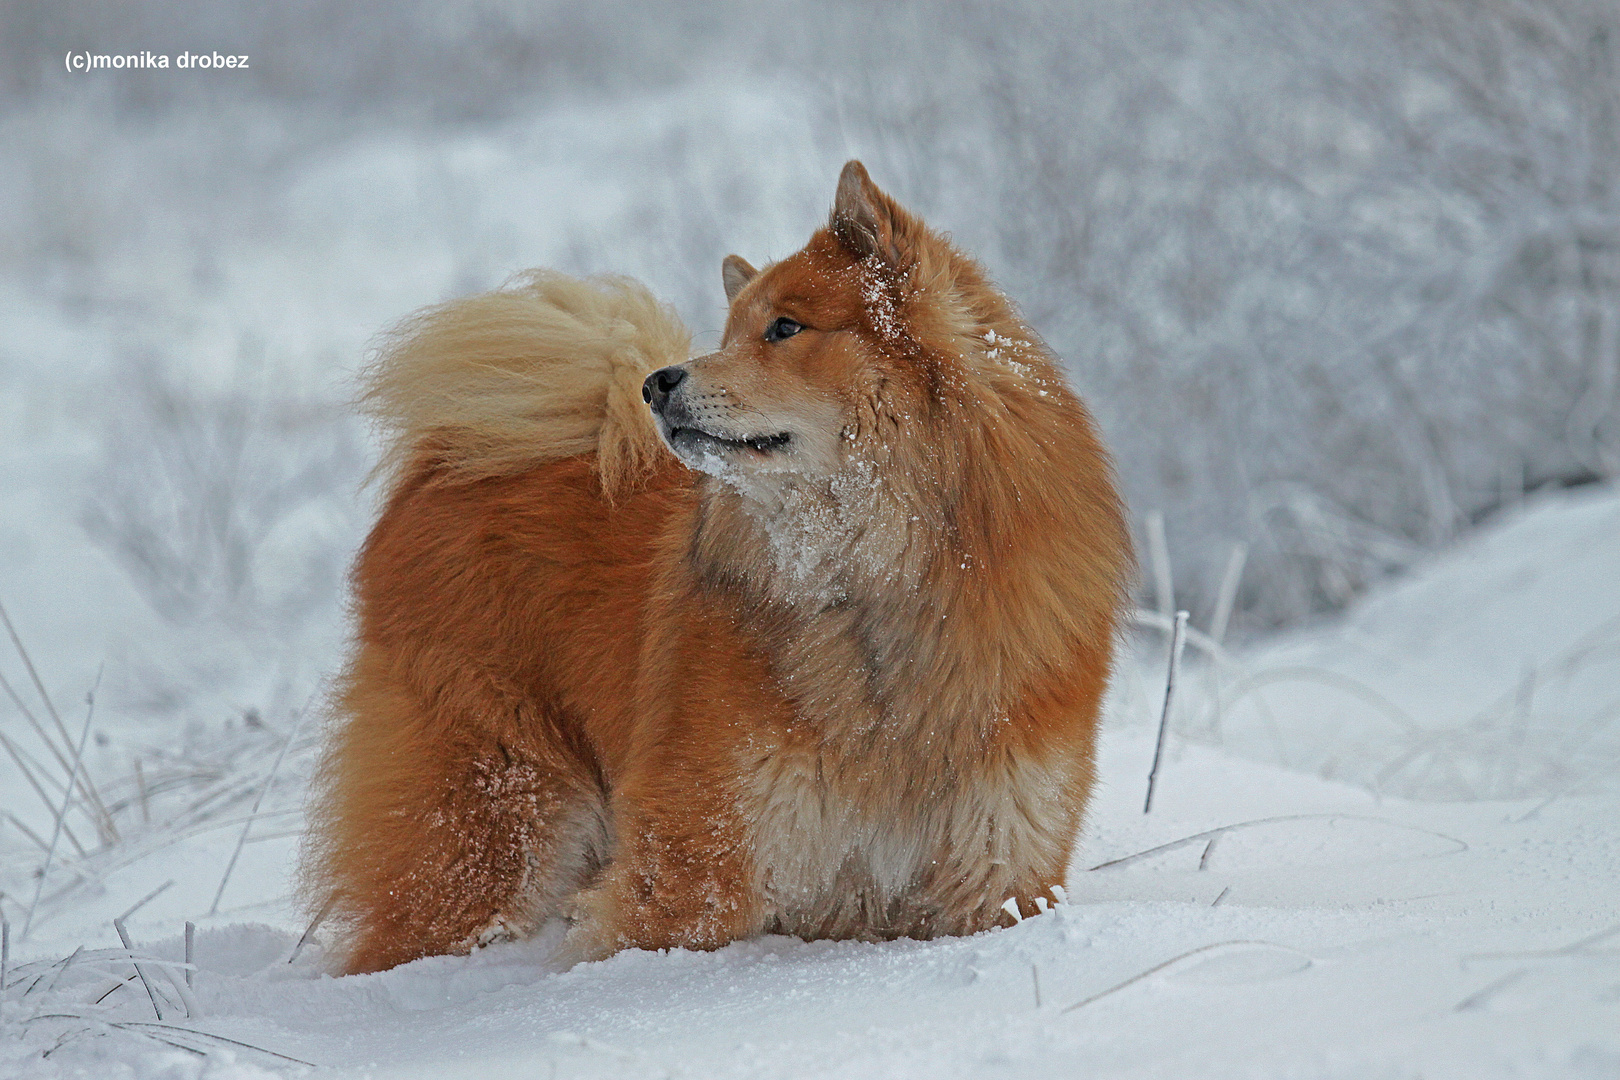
point(546, 367)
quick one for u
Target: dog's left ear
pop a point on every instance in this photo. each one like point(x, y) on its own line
point(734, 274)
point(867, 220)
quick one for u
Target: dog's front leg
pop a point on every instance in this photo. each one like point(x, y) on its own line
point(682, 870)
point(682, 875)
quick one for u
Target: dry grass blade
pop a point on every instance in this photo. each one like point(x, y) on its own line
point(116, 983)
point(1156, 968)
point(314, 925)
point(60, 971)
point(182, 986)
point(1568, 789)
point(254, 813)
point(130, 1028)
point(1199, 640)
point(140, 786)
point(1164, 589)
point(103, 820)
point(1321, 676)
point(67, 799)
point(60, 753)
point(1177, 638)
point(143, 901)
point(28, 663)
point(1211, 834)
point(215, 1038)
point(123, 935)
point(1479, 997)
point(1226, 598)
point(1574, 948)
point(23, 761)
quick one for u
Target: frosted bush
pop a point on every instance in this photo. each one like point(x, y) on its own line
point(1338, 278)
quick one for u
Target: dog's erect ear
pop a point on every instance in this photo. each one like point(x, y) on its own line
point(734, 274)
point(867, 220)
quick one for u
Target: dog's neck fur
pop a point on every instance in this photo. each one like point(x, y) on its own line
point(867, 575)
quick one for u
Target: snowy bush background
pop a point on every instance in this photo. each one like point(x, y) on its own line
point(1340, 279)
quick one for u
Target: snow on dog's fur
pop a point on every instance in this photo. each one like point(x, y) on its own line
point(830, 665)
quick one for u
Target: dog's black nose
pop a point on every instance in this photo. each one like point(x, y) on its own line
point(657, 387)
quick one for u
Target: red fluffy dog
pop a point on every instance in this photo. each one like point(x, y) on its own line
point(814, 645)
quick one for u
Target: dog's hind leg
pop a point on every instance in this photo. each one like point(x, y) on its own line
point(441, 825)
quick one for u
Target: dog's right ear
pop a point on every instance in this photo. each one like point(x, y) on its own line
point(734, 274)
point(867, 220)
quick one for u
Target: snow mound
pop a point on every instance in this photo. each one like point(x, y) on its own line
point(1494, 673)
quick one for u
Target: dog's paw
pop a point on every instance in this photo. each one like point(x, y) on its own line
point(590, 934)
point(498, 929)
point(1020, 906)
point(585, 942)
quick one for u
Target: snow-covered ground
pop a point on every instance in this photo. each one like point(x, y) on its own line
point(1442, 903)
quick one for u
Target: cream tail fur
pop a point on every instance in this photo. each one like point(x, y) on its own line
point(546, 367)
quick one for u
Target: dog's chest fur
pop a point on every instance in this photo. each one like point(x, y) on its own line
point(901, 799)
point(883, 805)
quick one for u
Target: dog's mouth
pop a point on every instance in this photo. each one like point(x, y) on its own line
point(697, 439)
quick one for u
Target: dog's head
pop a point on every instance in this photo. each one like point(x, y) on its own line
point(846, 336)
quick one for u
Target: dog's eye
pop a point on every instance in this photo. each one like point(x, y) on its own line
point(783, 327)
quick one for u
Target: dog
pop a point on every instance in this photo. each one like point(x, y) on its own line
point(805, 636)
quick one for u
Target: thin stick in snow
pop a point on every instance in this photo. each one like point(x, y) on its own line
point(1035, 973)
point(67, 799)
point(1164, 593)
point(191, 938)
point(1479, 997)
point(314, 925)
point(143, 901)
point(123, 935)
point(213, 908)
point(116, 984)
point(1177, 636)
point(1226, 598)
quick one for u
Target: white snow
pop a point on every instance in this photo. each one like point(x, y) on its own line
point(1262, 921)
